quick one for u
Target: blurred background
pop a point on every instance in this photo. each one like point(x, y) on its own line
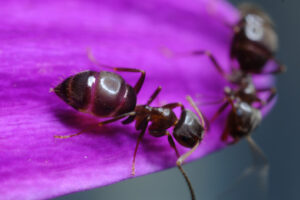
point(215, 176)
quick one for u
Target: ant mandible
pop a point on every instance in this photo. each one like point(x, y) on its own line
point(106, 94)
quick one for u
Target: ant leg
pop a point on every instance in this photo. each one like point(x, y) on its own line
point(182, 158)
point(154, 95)
point(100, 124)
point(173, 105)
point(179, 162)
point(213, 60)
point(279, 69)
point(137, 145)
point(116, 118)
point(68, 136)
point(225, 134)
point(129, 119)
point(172, 143)
point(220, 110)
point(138, 84)
point(191, 101)
point(137, 87)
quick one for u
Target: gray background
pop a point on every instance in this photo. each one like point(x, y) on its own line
point(214, 176)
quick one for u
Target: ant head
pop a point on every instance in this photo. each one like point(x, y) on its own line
point(188, 130)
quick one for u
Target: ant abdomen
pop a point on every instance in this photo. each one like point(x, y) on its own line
point(76, 91)
point(255, 42)
point(188, 131)
point(103, 94)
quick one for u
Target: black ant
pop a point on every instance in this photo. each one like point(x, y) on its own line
point(242, 120)
point(253, 45)
point(106, 94)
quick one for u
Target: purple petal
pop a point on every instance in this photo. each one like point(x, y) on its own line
point(43, 43)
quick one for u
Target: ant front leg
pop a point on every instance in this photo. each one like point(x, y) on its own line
point(172, 143)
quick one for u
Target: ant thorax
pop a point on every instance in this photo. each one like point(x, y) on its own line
point(246, 90)
point(161, 118)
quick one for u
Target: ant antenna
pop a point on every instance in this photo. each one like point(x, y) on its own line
point(179, 162)
point(191, 101)
point(95, 62)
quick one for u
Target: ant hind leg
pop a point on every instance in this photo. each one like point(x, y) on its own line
point(138, 84)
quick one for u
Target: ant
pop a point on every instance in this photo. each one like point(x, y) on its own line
point(106, 94)
point(253, 45)
point(243, 117)
point(242, 120)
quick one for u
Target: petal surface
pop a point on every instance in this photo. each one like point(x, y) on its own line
point(43, 43)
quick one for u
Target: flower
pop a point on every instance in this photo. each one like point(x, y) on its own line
point(43, 43)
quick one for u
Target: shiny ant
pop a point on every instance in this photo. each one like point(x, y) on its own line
point(243, 117)
point(242, 120)
point(106, 94)
point(253, 45)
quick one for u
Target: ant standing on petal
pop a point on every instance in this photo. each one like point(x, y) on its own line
point(253, 45)
point(106, 94)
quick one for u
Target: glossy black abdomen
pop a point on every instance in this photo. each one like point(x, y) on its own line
point(104, 94)
point(76, 90)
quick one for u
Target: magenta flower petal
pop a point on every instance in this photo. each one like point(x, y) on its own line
point(43, 43)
